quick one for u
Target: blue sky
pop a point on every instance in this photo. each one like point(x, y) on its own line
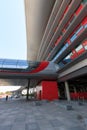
point(12, 29)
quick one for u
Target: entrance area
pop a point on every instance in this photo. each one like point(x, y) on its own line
point(77, 88)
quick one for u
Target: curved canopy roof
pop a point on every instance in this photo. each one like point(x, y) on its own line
point(37, 14)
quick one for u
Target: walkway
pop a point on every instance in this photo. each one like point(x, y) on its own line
point(25, 115)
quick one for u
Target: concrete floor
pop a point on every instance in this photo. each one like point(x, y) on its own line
point(26, 115)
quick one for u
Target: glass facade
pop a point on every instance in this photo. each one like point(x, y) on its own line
point(10, 64)
point(61, 51)
point(70, 40)
point(13, 64)
point(80, 49)
point(73, 38)
point(79, 29)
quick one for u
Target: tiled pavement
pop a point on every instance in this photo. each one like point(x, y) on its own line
point(26, 115)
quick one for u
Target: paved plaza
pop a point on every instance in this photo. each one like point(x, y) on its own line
point(32, 115)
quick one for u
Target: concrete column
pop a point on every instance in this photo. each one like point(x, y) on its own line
point(74, 89)
point(27, 97)
point(67, 91)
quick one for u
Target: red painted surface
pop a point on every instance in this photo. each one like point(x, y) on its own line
point(81, 51)
point(74, 55)
point(85, 43)
point(64, 30)
point(58, 40)
point(66, 10)
point(41, 67)
point(80, 31)
point(49, 90)
point(79, 9)
point(79, 95)
point(71, 18)
point(84, 21)
point(68, 40)
point(74, 95)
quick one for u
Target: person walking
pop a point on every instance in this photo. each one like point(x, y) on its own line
point(6, 97)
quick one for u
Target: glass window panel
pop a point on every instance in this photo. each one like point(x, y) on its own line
point(63, 48)
point(67, 60)
point(85, 26)
point(56, 56)
point(60, 64)
point(12, 62)
point(60, 52)
point(9, 66)
point(85, 44)
point(79, 48)
point(54, 59)
point(9, 63)
point(1, 62)
point(67, 57)
point(85, 47)
point(66, 45)
point(79, 29)
point(22, 64)
point(73, 37)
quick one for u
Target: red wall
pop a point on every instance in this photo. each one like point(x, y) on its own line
point(49, 90)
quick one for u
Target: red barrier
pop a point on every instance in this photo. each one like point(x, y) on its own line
point(78, 95)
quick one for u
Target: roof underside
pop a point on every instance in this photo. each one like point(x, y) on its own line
point(37, 14)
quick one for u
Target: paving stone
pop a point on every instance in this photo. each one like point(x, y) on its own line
point(56, 123)
point(22, 115)
point(60, 128)
point(76, 128)
point(85, 122)
point(32, 126)
point(5, 127)
point(20, 119)
point(44, 123)
point(18, 127)
point(47, 128)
